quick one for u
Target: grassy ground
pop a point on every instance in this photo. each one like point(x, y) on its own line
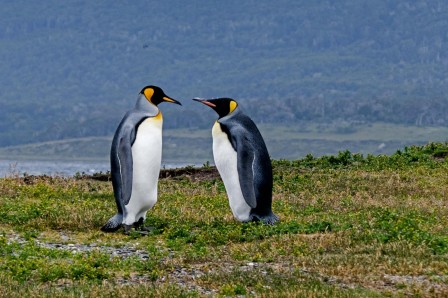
point(351, 226)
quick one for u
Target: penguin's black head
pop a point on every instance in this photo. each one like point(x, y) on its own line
point(222, 106)
point(156, 95)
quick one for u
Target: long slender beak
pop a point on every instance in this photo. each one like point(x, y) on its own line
point(169, 99)
point(204, 101)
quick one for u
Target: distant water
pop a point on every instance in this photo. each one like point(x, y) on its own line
point(57, 167)
point(50, 167)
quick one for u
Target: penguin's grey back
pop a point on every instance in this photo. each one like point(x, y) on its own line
point(240, 128)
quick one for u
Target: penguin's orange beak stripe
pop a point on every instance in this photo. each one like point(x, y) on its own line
point(166, 98)
point(207, 103)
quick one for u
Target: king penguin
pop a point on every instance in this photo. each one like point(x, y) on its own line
point(243, 162)
point(135, 159)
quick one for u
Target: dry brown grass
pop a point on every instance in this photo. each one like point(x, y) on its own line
point(344, 232)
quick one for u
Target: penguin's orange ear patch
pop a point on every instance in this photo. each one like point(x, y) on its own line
point(149, 92)
point(233, 106)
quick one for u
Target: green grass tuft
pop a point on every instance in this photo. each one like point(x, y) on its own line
point(350, 225)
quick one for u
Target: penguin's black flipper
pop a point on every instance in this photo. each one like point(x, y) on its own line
point(121, 154)
point(245, 159)
point(121, 165)
point(126, 169)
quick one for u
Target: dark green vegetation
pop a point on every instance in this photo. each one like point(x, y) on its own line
point(71, 70)
point(194, 146)
point(351, 225)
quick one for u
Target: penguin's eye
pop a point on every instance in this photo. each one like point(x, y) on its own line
point(233, 105)
point(149, 92)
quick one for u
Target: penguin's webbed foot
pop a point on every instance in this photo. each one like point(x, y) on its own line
point(143, 233)
point(140, 227)
point(127, 228)
point(144, 230)
point(147, 228)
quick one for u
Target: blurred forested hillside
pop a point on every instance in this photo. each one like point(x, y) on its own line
point(71, 68)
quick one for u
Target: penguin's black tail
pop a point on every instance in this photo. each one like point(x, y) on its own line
point(113, 224)
point(269, 219)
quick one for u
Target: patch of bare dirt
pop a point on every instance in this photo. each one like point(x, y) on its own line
point(194, 174)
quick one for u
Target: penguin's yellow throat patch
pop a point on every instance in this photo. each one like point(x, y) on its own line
point(158, 116)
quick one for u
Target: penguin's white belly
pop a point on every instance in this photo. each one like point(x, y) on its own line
point(147, 158)
point(226, 162)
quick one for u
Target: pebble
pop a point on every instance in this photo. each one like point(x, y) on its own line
point(122, 252)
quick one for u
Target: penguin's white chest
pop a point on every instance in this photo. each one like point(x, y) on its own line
point(147, 158)
point(226, 162)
